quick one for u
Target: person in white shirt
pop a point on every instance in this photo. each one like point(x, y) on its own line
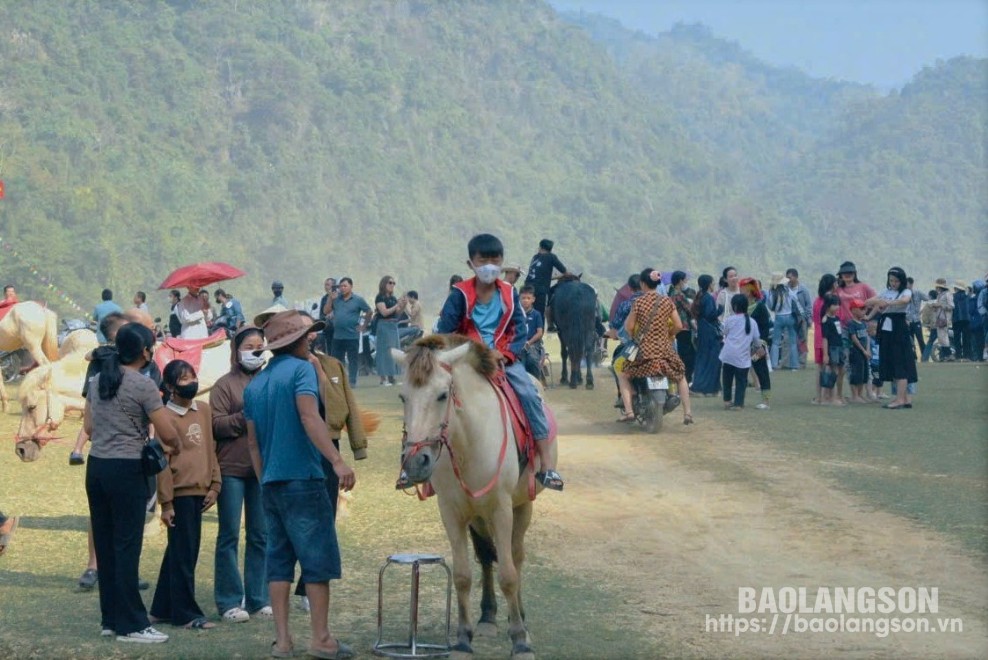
point(191, 316)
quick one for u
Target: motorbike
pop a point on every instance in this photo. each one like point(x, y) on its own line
point(71, 325)
point(650, 401)
point(11, 363)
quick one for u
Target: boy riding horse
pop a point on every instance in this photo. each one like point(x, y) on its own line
point(486, 309)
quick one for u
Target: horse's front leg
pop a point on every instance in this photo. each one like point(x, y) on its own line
point(564, 377)
point(503, 522)
point(522, 519)
point(456, 530)
point(590, 355)
point(3, 395)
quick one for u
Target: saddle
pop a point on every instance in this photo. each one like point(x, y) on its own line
point(190, 350)
point(524, 440)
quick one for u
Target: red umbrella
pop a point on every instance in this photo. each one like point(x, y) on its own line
point(200, 275)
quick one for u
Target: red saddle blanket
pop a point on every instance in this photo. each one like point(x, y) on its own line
point(5, 309)
point(519, 423)
point(190, 350)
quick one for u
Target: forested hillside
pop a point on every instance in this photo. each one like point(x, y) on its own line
point(298, 139)
point(830, 169)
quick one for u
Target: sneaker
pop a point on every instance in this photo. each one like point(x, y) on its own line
point(265, 612)
point(303, 603)
point(88, 579)
point(107, 632)
point(236, 615)
point(147, 636)
point(762, 406)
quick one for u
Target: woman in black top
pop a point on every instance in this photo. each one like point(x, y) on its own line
point(388, 309)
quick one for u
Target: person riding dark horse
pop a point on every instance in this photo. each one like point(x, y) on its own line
point(539, 277)
point(577, 315)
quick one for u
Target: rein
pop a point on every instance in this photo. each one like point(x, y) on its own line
point(441, 440)
point(47, 425)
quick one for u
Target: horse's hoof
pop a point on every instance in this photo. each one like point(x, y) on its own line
point(522, 652)
point(461, 652)
point(485, 629)
point(589, 386)
point(573, 385)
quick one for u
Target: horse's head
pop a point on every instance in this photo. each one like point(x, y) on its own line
point(42, 411)
point(428, 399)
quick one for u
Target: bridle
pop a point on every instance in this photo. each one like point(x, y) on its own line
point(441, 439)
point(41, 442)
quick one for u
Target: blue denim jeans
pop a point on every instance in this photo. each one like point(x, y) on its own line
point(785, 323)
point(240, 494)
point(529, 397)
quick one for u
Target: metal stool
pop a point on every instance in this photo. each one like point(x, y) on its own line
point(414, 648)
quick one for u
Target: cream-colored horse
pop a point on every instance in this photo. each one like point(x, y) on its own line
point(49, 391)
point(458, 439)
point(29, 325)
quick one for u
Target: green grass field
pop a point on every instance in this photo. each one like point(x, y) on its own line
point(929, 464)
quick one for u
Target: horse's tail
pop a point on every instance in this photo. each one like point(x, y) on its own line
point(483, 546)
point(370, 420)
point(49, 343)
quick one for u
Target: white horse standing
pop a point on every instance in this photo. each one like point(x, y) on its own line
point(49, 391)
point(481, 487)
point(33, 327)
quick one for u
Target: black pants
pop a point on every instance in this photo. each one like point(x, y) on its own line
point(333, 488)
point(962, 339)
point(175, 594)
point(977, 343)
point(737, 377)
point(345, 350)
point(687, 352)
point(117, 491)
point(916, 332)
point(760, 368)
point(541, 300)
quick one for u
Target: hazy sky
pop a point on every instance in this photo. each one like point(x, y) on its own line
point(881, 42)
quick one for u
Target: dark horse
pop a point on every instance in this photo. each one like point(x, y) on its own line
point(574, 310)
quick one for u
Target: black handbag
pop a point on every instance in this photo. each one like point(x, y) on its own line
point(153, 459)
point(828, 379)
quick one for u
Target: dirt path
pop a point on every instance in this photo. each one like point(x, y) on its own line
point(677, 522)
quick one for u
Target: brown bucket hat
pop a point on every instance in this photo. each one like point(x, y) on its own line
point(285, 328)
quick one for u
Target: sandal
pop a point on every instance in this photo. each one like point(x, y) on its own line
point(342, 652)
point(688, 419)
point(626, 417)
point(278, 653)
point(550, 479)
point(202, 623)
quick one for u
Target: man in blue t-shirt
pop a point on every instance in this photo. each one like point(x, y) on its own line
point(286, 437)
point(107, 306)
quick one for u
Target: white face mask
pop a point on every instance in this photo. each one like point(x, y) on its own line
point(251, 362)
point(487, 273)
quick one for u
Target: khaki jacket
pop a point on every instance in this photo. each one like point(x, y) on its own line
point(341, 406)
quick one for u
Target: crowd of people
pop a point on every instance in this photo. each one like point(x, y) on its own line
point(265, 448)
point(735, 335)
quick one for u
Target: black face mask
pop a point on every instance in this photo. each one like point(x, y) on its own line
point(187, 391)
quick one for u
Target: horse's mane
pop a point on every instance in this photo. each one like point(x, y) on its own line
point(33, 379)
point(421, 360)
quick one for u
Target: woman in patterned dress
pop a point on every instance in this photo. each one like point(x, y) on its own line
point(656, 354)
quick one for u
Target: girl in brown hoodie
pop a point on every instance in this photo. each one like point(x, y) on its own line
point(187, 488)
